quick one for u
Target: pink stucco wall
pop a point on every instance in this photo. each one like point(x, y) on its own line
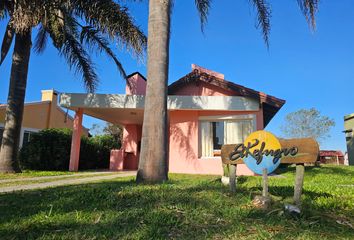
point(202, 89)
point(131, 139)
point(116, 160)
point(184, 146)
point(128, 156)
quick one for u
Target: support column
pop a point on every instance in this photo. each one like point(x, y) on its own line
point(75, 141)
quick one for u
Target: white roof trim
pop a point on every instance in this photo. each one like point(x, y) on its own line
point(222, 103)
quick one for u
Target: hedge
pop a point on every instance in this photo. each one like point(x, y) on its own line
point(49, 149)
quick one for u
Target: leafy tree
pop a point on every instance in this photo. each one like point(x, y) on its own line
point(74, 27)
point(116, 131)
point(96, 129)
point(307, 123)
point(153, 156)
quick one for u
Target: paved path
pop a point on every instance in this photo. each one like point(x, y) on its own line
point(21, 179)
point(63, 182)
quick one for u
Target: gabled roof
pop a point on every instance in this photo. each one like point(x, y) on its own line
point(331, 153)
point(132, 74)
point(271, 105)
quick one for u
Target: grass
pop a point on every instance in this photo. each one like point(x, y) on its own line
point(185, 207)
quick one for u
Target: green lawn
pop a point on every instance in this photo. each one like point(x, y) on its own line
point(186, 207)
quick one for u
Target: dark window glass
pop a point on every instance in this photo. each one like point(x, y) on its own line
point(218, 135)
point(26, 138)
point(1, 132)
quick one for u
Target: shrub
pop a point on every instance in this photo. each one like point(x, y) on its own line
point(49, 149)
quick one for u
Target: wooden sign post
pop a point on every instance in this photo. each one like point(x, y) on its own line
point(265, 183)
point(299, 182)
point(233, 178)
point(262, 150)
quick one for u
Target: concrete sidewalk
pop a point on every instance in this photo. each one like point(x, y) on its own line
point(20, 179)
point(64, 182)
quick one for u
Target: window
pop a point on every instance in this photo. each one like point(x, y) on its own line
point(348, 135)
point(26, 137)
point(218, 135)
point(214, 134)
point(1, 132)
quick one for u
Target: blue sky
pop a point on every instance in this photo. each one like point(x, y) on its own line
point(307, 69)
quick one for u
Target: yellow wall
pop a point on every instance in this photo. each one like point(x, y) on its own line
point(44, 114)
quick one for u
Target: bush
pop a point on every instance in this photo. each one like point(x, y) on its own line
point(49, 149)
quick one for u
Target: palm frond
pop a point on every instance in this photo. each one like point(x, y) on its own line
point(41, 40)
point(3, 13)
point(92, 37)
point(4, 8)
point(6, 42)
point(203, 7)
point(309, 8)
point(112, 19)
point(263, 17)
point(79, 60)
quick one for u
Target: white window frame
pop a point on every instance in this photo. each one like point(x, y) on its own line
point(23, 129)
point(220, 118)
point(31, 130)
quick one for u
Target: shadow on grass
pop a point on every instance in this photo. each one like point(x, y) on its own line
point(121, 209)
point(323, 169)
point(281, 191)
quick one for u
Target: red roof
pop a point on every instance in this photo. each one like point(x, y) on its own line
point(331, 153)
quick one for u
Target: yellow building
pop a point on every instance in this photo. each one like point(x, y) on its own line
point(41, 115)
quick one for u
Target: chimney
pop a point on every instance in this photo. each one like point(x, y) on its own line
point(50, 95)
point(137, 84)
point(207, 71)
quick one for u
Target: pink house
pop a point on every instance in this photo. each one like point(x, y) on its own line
point(205, 112)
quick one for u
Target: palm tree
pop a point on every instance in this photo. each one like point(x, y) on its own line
point(73, 26)
point(154, 148)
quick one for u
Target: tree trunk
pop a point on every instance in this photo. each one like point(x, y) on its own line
point(154, 146)
point(15, 103)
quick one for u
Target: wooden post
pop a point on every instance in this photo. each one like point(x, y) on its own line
point(299, 182)
point(265, 183)
point(232, 177)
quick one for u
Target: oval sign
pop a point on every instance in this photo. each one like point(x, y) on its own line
point(261, 146)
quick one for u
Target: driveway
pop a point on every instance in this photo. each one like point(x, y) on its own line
point(68, 180)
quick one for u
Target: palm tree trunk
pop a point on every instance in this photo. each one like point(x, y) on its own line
point(15, 103)
point(154, 153)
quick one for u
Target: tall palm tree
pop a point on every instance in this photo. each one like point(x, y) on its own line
point(154, 148)
point(73, 26)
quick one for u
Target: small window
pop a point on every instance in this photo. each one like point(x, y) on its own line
point(26, 138)
point(1, 133)
point(218, 135)
point(348, 136)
